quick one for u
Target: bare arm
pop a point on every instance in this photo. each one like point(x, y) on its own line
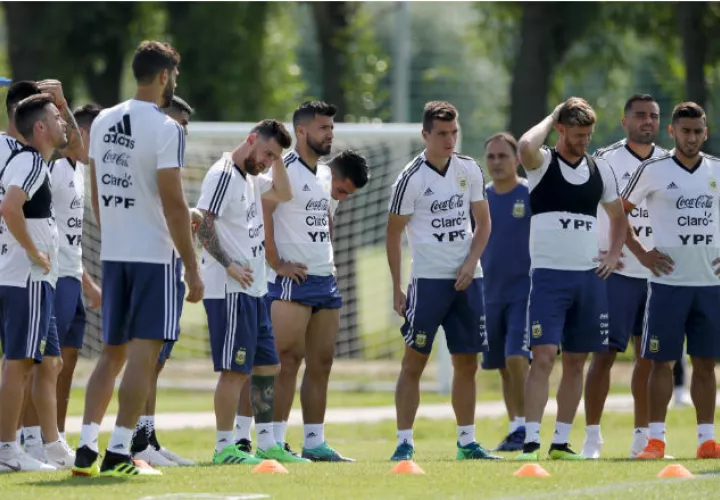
point(393, 246)
point(74, 148)
point(532, 141)
point(177, 215)
point(94, 193)
point(483, 226)
point(209, 239)
point(91, 290)
point(281, 190)
point(618, 226)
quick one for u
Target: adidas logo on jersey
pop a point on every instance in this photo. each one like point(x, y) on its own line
point(672, 185)
point(306, 188)
point(72, 184)
point(626, 175)
point(120, 133)
point(428, 192)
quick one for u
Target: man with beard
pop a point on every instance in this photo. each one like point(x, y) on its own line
point(626, 288)
point(305, 298)
point(233, 238)
point(136, 153)
point(568, 304)
point(681, 190)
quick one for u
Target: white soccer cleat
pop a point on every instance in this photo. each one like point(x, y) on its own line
point(154, 458)
point(19, 461)
point(59, 455)
point(36, 451)
point(174, 457)
point(591, 450)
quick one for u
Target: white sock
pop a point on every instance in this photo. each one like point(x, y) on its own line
point(53, 444)
point(265, 436)
point(405, 437)
point(146, 421)
point(120, 440)
point(223, 439)
point(511, 426)
point(314, 435)
point(279, 430)
point(592, 434)
point(9, 449)
point(18, 436)
point(562, 433)
point(242, 427)
point(89, 436)
point(679, 393)
point(657, 431)
point(519, 422)
point(33, 435)
point(705, 432)
point(532, 432)
point(640, 436)
point(62, 436)
point(466, 434)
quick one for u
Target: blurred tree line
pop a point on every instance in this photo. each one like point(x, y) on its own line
point(503, 64)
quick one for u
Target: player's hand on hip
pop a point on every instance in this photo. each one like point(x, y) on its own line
point(195, 286)
point(94, 295)
point(54, 88)
point(241, 274)
point(607, 264)
point(465, 275)
point(41, 259)
point(196, 218)
point(399, 302)
point(293, 270)
point(658, 262)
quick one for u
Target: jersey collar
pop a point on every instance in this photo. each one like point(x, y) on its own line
point(299, 158)
point(435, 169)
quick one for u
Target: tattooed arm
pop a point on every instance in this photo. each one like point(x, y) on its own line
point(74, 147)
point(211, 243)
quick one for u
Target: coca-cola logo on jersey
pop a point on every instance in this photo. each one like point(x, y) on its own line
point(455, 201)
point(322, 205)
point(702, 201)
point(120, 159)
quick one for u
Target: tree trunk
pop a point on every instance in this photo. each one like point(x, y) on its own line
point(26, 53)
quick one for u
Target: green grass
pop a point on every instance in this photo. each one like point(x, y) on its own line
point(369, 478)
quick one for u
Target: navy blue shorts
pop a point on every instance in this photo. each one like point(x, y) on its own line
point(505, 326)
point(241, 335)
point(568, 309)
point(26, 313)
point(168, 346)
point(318, 292)
point(626, 298)
point(69, 312)
point(52, 343)
point(674, 312)
point(139, 301)
point(432, 303)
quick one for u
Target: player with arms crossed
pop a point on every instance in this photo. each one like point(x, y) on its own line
point(568, 304)
point(136, 153)
point(506, 281)
point(28, 273)
point(432, 199)
point(305, 298)
point(681, 192)
point(626, 288)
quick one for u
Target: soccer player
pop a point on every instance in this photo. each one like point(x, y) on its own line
point(145, 445)
point(681, 192)
point(626, 288)
point(304, 293)
point(136, 153)
point(28, 271)
point(567, 307)
point(506, 281)
point(241, 335)
point(432, 199)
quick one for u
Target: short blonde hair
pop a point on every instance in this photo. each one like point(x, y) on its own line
point(576, 112)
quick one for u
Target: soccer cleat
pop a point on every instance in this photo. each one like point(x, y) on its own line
point(117, 465)
point(709, 449)
point(404, 451)
point(474, 451)
point(513, 441)
point(174, 457)
point(246, 445)
point(280, 454)
point(59, 455)
point(591, 450)
point(530, 453)
point(563, 452)
point(286, 447)
point(324, 453)
point(19, 461)
point(37, 451)
point(232, 454)
point(654, 450)
point(153, 458)
point(86, 462)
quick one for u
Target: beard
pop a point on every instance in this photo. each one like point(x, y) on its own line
point(643, 137)
point(688, 152)
point(318, 148)
point(168, 93)
point(252, 167)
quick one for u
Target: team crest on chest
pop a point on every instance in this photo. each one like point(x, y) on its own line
point(713, 184)
point(519, 209)
point(462, 181)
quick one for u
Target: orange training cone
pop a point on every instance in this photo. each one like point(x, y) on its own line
point(531, 470)
point(270, 466)
point(407, 467)
point(675, 470)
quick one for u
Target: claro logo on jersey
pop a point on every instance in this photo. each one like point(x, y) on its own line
point(123, 181)
point(120, 133)
point(700, 218)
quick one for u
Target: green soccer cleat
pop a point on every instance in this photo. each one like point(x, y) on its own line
point(128, 468)
point(232, 454)
point(404, 451)
point(280, 454)
point(563, 452)
point(474, 451)
point(532, 456)
point(86, 463)
point(324, 453)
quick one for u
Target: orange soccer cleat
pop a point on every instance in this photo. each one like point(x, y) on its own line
point(654, 450)
point(709, 449)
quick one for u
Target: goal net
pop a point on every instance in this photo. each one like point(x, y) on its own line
point(368, 325)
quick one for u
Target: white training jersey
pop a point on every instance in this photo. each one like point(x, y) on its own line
point(68, 192)
point(683, 208)
point(235, 198)
point(27, 170)
point(439, 230)
point(8, 145)
point(302, 224)
point(129, 143)
point(565, 237)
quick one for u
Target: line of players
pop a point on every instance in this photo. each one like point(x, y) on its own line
point(556, 280)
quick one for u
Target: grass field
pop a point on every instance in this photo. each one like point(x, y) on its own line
point(372, 445)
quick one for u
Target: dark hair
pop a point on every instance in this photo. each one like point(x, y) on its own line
point(503, 136)
point(179, 104)
point(308, 110)
point(438, 110)
point(687, 110)
point(17, 92)
point(273, 129)
point(351, 165)
point(151, 58)
point(86, 114)
point(29, 111)
point(576, 112)
point(637, 98)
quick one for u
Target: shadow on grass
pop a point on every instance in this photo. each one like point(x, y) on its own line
point(75, 481)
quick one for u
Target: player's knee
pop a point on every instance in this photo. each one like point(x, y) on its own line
point(290, 362)
point(51, 366)
point(319, 365)
point(413, 364)
point(543, 361)
point(703, 367)
point(465, 364)
point(17, 370)
point(604, 360)
point(70, 357)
